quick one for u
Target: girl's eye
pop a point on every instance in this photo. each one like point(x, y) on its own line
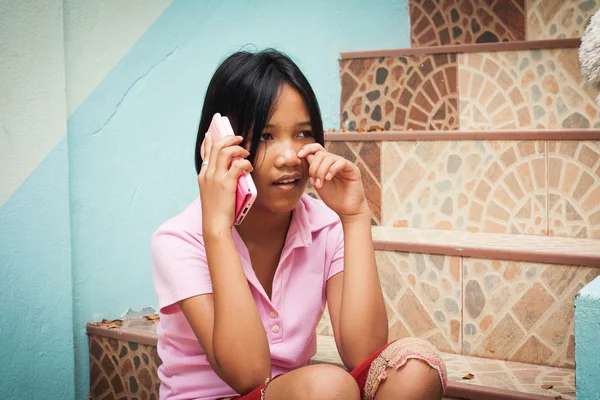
point(266, 136)
point(305, 134)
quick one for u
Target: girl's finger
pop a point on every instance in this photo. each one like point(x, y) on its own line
point(310, 148)
point(227, 155)
point(315, 163)
point(205, 148)
point(216, 148)
point(324, 168)
point(339, 165)
point(239, 167)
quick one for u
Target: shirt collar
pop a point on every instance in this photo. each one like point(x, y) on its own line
point(309, 216)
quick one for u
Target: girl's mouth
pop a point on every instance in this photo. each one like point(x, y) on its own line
point(287, 184)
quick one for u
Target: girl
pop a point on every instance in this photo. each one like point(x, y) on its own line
point(240, 304)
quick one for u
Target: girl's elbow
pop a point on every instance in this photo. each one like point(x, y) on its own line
point(251, 377)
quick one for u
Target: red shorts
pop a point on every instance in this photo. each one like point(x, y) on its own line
point(371, 372)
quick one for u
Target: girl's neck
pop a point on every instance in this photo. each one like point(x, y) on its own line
point(264, 227)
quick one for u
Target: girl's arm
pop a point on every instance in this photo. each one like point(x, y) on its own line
point(354, 297)
point(227, 323)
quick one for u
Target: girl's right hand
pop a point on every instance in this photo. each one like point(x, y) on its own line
point(218, 182)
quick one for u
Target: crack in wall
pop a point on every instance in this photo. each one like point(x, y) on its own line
point(111, 116)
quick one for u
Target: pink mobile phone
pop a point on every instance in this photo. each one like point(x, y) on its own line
point(246, 190)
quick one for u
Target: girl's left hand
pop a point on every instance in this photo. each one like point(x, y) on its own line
point(337, 181)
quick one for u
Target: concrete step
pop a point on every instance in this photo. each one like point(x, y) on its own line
point(493, 379)
point(124, 361)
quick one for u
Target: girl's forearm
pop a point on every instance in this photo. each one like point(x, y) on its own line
point(240, 344)
point(363, 320)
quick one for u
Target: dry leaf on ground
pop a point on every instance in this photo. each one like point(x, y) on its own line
point(546, 387)
point(152, 317)
point(469, 376)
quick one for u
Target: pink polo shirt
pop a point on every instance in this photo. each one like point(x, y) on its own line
point(313, 253)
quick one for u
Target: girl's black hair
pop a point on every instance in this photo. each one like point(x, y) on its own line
point(244, 89)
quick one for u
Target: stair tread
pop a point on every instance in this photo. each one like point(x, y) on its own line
point(507, 375)
point(520, 45)
point(453, 135)
point(501, 378)
point(549, 249)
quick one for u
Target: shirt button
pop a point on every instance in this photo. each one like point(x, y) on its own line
point(273, 315)
point(275, 328)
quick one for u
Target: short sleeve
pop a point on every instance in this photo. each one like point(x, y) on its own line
point(180, 269)
point(337, 260)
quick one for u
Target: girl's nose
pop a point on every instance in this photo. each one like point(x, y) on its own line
point(287, 155)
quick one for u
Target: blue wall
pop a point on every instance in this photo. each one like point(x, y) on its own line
point(36, 346)
point(131, 142)
point(587, 349)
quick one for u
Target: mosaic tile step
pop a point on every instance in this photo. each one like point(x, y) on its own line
point(439, 22)
point(500, 378)
point(486, 90)
point(558, 19)
point(546, 249)
point(531, 89)
point(492, 308)
point(124, 362)
point(442, 22)
point(521, 311)
point(534, 187)
point(417, 93)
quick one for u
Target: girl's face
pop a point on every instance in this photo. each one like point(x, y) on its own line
point(279, 175)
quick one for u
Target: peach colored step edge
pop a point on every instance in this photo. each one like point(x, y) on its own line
point(549, 134)
point(454, 389)
point(467, 48)
point(541, 249)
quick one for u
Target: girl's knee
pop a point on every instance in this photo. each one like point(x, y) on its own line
point(419, 370)
point(329, 382)
point(409, 364)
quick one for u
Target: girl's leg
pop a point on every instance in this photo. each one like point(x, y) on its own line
point(410, 368)
point(314, 382)
point(414, 380)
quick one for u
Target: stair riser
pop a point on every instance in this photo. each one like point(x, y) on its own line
point(529, 89)
point(123, 369)
point(522, 187)
point(436, 23)
point(517, 311)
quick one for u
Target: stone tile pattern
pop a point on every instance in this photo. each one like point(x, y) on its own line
point(520, 311)
point(422, 295)
point(443, 22)
point(522, 377)
point(531, 89)
point(367, 156)
point(558, 19)
point(476, 186)
point(574, 188)
point(400, 93)
point(122, 370)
